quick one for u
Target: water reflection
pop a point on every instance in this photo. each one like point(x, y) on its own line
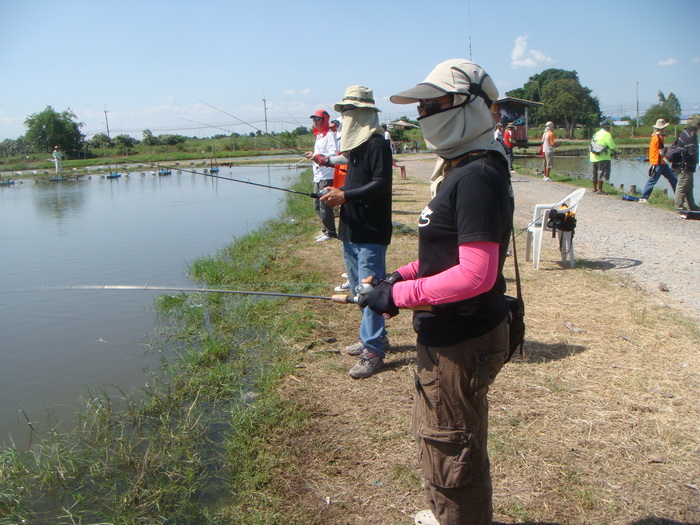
point(135, 230)
point(59, 202)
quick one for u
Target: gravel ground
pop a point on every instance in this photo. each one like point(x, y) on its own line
point(643, 246)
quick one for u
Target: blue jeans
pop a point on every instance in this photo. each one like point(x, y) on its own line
point(366, 260)
point(661, 169)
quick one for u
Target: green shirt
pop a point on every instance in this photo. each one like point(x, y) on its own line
point(603, 137)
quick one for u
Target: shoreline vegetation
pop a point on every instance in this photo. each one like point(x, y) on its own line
point(256, 420)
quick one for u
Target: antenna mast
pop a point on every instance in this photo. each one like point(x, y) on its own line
point(265, 109)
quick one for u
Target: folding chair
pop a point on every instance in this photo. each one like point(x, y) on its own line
point(538, 226)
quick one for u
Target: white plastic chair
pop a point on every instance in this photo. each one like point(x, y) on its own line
point(536, 229)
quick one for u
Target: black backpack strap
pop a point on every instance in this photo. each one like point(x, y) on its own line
point(518, 289)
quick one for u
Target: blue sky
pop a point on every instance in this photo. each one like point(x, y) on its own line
point(156, 64)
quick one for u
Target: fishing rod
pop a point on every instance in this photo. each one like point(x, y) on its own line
point(248, 124)
point(361, 290)
point(195, 172)
point(341, 299)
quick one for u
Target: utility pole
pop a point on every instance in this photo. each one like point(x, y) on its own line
point(265, 109)
point(637, 104)
point(107, 123)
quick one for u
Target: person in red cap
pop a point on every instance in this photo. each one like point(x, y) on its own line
point(58, 159)
point(326, 146)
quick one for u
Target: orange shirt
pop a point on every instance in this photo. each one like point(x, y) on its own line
point(656, 144)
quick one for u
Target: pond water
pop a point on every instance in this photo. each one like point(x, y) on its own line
point(625, 171)
point(55, 344)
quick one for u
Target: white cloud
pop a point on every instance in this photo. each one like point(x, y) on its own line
point(695, 60)
point(668, 62)
point(523, 57)
point(304, 91)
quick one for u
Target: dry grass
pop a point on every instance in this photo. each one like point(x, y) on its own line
point(598, 425)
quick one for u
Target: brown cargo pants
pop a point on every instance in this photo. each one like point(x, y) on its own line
point(450, 424)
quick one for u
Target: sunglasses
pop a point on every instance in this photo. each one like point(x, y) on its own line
point(316, 118)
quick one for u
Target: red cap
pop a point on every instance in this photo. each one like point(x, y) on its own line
point(320, 113)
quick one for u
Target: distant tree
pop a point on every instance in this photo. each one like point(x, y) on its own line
point(11, 148)
point(49, 128)
point(532, 89)
point(101, 140)
point(566, 102)
point(668, 109)
point(123, 143)
point(627, 118)
point(301, 130)
point(149, 139)
point(171, 140)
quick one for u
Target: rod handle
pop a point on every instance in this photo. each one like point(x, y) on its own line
point(343, 299)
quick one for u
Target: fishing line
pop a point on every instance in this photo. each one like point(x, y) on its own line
point(294, 151)
point(634, 166)
point(249, 124)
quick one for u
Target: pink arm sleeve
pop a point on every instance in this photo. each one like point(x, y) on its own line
point(409, 271)
point(475, 274)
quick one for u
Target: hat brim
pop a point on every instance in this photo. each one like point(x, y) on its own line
point(661, 127)
point(340, 106)
point(416, 93)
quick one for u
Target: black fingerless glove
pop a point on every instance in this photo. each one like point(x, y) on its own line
point(380, 300)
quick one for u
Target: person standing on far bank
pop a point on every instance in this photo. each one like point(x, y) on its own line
point(58, 160)
point(365, 215)
point(600, 163)
point(509, 142)
point(685, 170)
point(659, 166)
point(458, 283)
point(548, 149)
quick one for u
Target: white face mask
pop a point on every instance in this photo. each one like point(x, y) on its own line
point(358, 127)
point(460, 129)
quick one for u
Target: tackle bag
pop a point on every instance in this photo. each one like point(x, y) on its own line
point(596, 148)
point(562, 219)
point(674, 154)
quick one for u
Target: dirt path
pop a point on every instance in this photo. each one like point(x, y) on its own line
point(597, 425)
point(640, 244)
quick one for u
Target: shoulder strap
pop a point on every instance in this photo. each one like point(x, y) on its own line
point(518, 289)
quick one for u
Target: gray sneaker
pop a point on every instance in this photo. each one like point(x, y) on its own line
point(355, 349)
point(368, 364)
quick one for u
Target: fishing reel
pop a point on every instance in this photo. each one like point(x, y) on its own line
point(360, 291)
point(321, 193)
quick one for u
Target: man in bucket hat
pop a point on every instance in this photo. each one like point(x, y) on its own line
point(365, 214)
point(463, 237)
point(658, 165)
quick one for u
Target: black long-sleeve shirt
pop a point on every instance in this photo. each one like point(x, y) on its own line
point(365, 218)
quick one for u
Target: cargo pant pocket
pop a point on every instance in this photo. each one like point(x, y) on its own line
point(486, 368)
point(446, 457)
